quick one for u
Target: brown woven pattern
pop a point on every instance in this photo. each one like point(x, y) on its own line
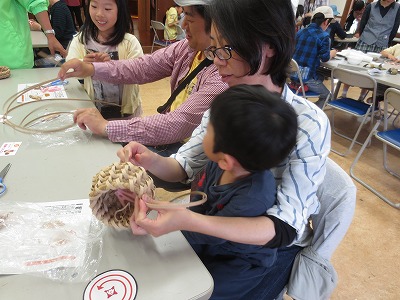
point(4, 72)
point(103, 201)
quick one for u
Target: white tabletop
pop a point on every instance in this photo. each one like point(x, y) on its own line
point(39, 39)
point(164, 267)
point(384, 78)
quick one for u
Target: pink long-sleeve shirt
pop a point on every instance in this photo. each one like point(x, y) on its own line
point(172, 127)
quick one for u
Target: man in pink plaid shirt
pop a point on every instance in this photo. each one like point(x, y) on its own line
point(174, 61)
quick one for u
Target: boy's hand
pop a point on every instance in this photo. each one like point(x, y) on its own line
point(166, 221)
point(138, 154)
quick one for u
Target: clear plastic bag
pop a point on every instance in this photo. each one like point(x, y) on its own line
point(61, 241)
point(68, 136)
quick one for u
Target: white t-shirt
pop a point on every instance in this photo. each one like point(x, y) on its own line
point(104, 91)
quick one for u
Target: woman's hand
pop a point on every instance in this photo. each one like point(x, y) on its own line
point(75, 68)
point(91, 118)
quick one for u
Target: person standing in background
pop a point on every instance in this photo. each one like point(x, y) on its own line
point(335, 28)
point(299, 17)
point(378, 26)
point(16, 51)
point(171, 20)
point(181, 16)
point(311, 5)
point(75, 9)
point(61, 21)
point(377, 29)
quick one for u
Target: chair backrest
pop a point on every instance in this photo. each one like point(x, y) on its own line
point(180, 32)
point(157, 26)
point(337, 196)
point(294, 67)
point(392, 98)
point(352, 78)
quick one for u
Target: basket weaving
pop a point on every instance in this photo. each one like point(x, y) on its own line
point(119, 176)
point(4, 72)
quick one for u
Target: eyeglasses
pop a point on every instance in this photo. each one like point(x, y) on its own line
point(223, 53)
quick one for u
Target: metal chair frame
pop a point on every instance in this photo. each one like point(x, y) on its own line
point(388, 137)
point(180, 31)
point(294, 67)
point(349, 105)
point(158, 26)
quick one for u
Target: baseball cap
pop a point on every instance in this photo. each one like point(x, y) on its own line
point(334, 9)
point(192, 2)
point(325, 10)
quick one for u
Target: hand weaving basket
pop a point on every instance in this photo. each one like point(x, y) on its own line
point(103, 200)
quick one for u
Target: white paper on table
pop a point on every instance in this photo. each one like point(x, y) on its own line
point(36, 237)
point(47, 92)
point(357, 53)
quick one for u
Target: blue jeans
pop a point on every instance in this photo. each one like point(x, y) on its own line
point(268, 288)
point(317, 86)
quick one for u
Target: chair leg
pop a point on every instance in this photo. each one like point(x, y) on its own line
point(354, 140)
point(326, 101)
point(385, 164)
point(367, 141)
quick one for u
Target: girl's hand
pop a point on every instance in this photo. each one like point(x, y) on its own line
point(393, 58)
point(97, 57)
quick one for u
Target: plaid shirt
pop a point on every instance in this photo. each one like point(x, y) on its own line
point(312, 46)
point(174, 61)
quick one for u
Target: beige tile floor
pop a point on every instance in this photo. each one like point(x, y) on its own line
point(368, 259)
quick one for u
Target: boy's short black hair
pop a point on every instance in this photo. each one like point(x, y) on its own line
point(253, 125)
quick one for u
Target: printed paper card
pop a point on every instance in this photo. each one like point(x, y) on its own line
point(9, 148)
point(42, 92)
